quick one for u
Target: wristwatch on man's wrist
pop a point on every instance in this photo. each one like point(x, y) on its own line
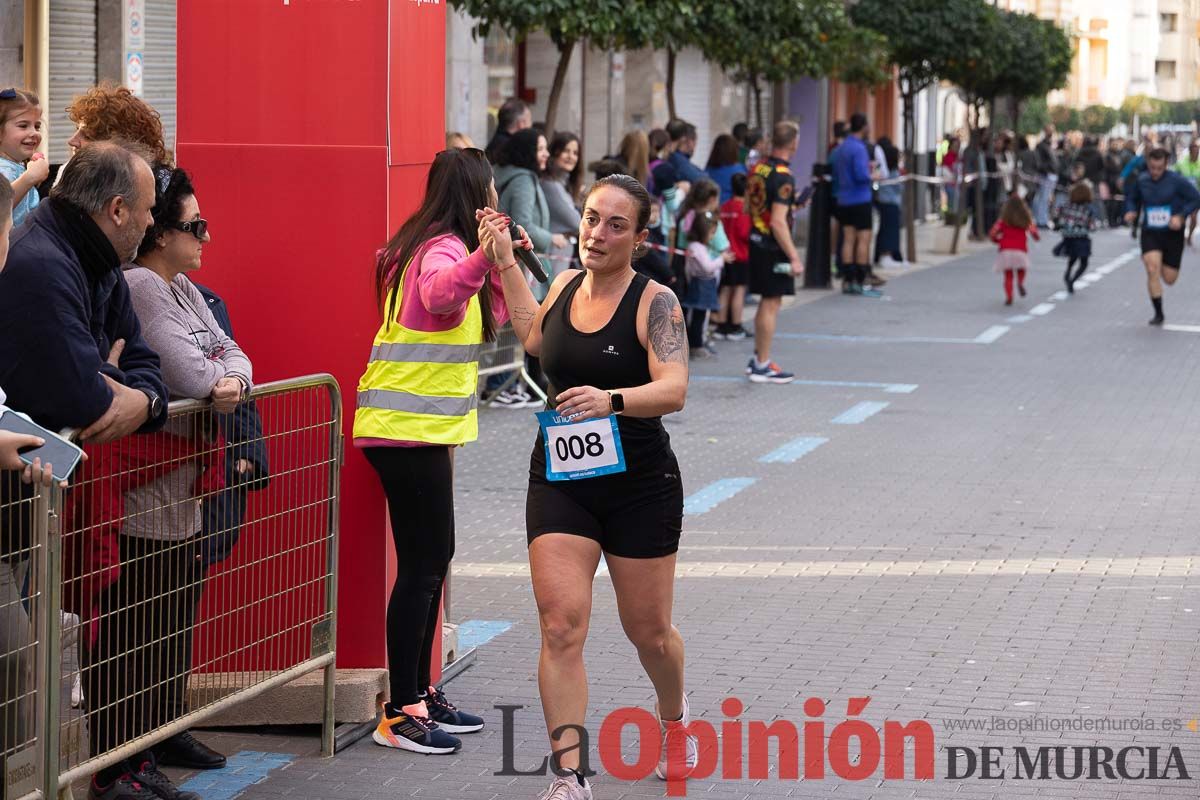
point(155, 402)
point(617, 402)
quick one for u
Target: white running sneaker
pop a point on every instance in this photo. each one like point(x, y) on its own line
point(671, 730)
point(887, 262)
point(567, 788)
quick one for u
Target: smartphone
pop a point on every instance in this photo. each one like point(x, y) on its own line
point(57, 451)
point(804, 196)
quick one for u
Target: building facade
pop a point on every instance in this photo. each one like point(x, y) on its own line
point(1177, 62)
point(129, 42)
point(605, 94)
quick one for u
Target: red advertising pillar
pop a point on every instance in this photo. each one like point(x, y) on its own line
point(308, 127)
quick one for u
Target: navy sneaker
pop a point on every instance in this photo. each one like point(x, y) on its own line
point(125, 787)
point(750, 366)
point(771, 373)
point(152, 778)
point(447, 716)
point(417, 734)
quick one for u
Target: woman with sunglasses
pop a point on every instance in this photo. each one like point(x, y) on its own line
point(139, 665)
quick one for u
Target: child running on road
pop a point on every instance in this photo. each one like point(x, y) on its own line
point(1010, 231)
point(1076, 220)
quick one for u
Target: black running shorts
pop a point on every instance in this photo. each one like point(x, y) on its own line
point(856, 216)
point(765, 279)
point(736, 273)
point(1168, 242)
point(632, 514)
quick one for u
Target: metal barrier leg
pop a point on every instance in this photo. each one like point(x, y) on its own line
point(533, 385)
point(327, 723)
point(52, 624)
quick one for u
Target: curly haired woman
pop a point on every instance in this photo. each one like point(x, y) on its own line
point(113, 112)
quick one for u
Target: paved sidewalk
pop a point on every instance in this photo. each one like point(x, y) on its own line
point(980, 512)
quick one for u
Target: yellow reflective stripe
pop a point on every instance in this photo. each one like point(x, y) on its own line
point(400, 426)
point(427, 353)
point(418, 404)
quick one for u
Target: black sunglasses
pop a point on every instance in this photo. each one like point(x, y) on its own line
point(196, 227)
point(8, 94)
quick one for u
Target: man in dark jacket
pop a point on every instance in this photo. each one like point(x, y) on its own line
point(71, 349)
point(1047, 171)
point(515, 115)
point(683, 141)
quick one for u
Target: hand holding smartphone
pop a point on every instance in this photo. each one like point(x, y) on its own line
point(57, 451)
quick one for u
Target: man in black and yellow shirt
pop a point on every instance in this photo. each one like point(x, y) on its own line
point(774, 262)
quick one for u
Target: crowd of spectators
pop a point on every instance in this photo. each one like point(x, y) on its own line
point(100, 327)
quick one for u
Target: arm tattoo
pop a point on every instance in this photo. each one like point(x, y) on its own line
point(666, 330)
point(523, 314)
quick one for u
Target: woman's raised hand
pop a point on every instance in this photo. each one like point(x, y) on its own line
point(494, 238)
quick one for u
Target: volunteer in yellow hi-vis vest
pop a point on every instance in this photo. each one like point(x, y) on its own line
point(441, 299)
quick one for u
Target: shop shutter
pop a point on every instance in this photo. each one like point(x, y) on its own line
point(72, 68)
point(158, 87)
point(693, 99)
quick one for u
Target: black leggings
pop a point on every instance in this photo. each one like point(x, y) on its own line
point(136, 671)
point(1083, 265)
point(418, 482)
point(695, 327)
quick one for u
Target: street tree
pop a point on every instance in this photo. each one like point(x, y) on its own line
point(764, 42)
point(603, 23)
point(1099, 119)
point(669, 25)
point(924, 39)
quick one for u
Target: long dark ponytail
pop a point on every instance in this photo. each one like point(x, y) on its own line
point(458, 184)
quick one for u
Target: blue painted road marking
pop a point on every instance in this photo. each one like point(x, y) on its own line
point(714, 494)
point(241, 771)
point(476, 632)
point(858, 413)
point(794, 450)
point(890, 388)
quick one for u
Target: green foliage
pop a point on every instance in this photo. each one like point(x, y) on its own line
point(1099, 119)
point(861, 57)
point(604, 22)
point(774, 41)
point(1034, 117)
point(1058, 53)
point(1152, 111)
point(1025, 57)
point(928, 39)
point(1066, 119)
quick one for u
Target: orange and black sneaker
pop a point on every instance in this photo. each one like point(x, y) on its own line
point(417, 734)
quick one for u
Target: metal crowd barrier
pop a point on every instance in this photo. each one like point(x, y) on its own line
point(24, 631)
point(188, 571)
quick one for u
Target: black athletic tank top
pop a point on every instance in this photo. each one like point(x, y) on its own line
point(610, 358)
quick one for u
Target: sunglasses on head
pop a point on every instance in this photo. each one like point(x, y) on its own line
point(196, 227)
point(8, 94)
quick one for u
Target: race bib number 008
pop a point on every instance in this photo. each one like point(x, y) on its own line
point(1158, 217)
point(579, 450)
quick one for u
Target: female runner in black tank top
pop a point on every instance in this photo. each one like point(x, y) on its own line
point(612, 342)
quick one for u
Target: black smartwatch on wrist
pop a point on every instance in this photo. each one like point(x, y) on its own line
point(617, 402)
point(155, 403)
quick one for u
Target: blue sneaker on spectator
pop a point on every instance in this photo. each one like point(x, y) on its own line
point(771, 373)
